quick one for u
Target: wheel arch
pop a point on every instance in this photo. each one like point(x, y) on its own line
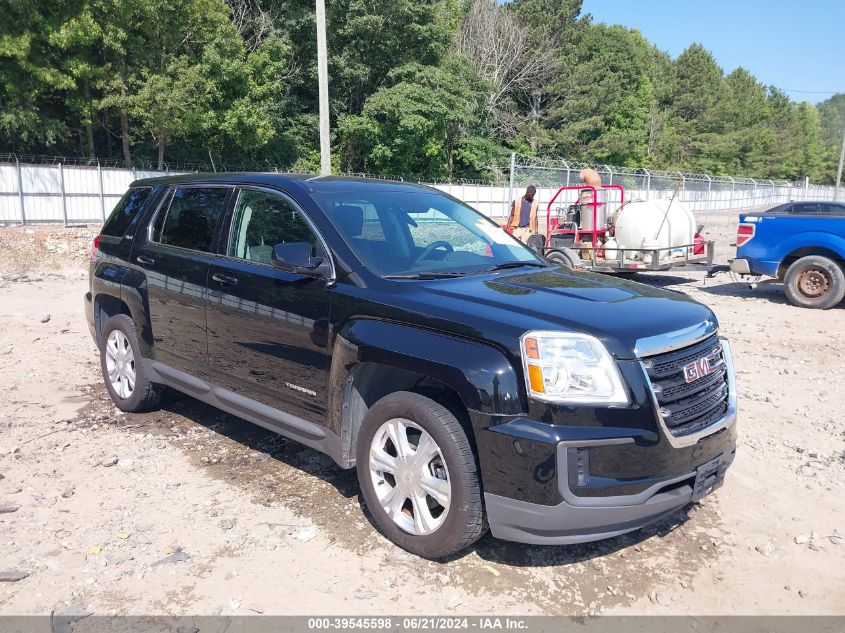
point(105, 307)
point(133, 292)
point(374, 358)
point(805, 251)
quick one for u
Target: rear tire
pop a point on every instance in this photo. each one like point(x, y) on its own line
point(814, 282)
point(428, 504)
point(123, 369)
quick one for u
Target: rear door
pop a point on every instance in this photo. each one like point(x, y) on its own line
point(175, 253)
point(267, 328)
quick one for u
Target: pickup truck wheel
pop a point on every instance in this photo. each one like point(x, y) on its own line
point(814, 282)
point(123, 372)
point(418, 476)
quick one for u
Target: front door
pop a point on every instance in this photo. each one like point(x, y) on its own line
point(175, 255)
point(267, 328)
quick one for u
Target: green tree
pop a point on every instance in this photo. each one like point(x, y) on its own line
point(196, 57)
point(832, 124)
point(832, 115)
point(554, 23)
point(171, 104)
point(812, 147)
point(181, 80)
point(696, 90)
point(31, 82)
point(604, 117)
point(733, 138)
point(415, 126)
point(369, 39)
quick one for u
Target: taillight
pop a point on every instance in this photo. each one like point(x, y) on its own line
point(95, 247)
point(744, 233)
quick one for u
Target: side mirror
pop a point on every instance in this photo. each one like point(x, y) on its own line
point(295, 257)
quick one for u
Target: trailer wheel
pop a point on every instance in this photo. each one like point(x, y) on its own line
point(565, 257)
point(814, 282)
point(536, 243)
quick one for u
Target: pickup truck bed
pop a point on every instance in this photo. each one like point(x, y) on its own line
point(801, 244)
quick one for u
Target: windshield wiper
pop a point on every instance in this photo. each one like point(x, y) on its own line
point(426, 275)
point(505, 265)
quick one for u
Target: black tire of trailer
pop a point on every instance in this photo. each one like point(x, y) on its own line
point(564, 257)
point(536, 242)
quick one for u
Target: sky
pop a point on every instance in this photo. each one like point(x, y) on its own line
point(797, 46)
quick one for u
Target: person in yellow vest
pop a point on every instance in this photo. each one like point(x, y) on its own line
point(523, 217)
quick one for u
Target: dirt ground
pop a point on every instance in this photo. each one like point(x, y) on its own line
point(189, 510)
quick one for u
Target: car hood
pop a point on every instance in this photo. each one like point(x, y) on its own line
point(619, 312)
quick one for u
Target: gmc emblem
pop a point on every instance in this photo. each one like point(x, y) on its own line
point(697, 369)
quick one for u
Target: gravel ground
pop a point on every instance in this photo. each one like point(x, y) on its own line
point(189, 510)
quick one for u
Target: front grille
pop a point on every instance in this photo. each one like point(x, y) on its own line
point(688, 407)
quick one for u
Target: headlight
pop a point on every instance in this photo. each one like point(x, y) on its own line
point(570, 369)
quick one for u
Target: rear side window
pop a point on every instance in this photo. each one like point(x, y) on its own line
point(191, 218)
point(126, 210)
point(806, 208)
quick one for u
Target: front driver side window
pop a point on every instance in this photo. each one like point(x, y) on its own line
point(262, 220)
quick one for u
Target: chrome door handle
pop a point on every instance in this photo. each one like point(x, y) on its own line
point(225, 280)
point(145, 260)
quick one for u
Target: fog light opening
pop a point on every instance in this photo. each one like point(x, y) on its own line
point(579, 466)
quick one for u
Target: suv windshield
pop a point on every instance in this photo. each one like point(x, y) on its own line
point(405, 234)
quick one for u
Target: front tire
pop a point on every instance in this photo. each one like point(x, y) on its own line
point(814, 282)
point(418, 476)
point(123, 370)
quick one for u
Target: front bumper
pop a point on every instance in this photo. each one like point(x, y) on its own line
point(573, 522)
point(584, 483)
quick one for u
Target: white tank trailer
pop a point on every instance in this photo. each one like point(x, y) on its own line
point(654, 224)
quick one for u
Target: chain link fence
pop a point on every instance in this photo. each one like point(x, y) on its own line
point(84, 191)
point(702, 193)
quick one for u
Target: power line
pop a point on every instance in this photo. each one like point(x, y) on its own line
point(815, 92)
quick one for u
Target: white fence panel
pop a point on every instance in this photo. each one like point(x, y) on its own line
point(87, 193)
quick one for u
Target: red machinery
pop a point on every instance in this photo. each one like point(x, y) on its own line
point(581, 234)
point(595, 227)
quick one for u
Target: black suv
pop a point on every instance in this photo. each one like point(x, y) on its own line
point(402, 333)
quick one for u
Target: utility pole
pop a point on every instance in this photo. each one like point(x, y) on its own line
point(323, 83)
point(839, 171)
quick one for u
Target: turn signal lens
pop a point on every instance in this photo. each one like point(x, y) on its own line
point(535, 377)
point(531, 348)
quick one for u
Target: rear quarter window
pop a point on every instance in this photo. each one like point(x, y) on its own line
point(191, 218)
point(806, 208)
point(126, 210)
